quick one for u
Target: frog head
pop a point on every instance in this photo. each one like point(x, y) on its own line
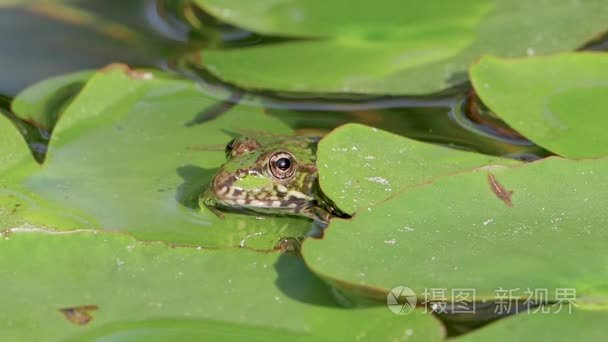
point(277, 176)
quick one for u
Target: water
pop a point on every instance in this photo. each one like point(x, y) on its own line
point(47, 39)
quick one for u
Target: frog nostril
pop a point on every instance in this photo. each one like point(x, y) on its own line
point(240, 174)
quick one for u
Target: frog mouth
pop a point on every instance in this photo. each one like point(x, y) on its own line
point(239, 198)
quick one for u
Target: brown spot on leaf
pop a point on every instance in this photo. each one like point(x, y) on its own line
point(134, 74)
point(79, 314)
point(499, 190)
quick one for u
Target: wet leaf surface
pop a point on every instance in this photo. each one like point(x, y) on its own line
point(458, 232)
point(354, 48)
point(160, 292)
point(563, 112)
point(360, 166)
point(123, 157)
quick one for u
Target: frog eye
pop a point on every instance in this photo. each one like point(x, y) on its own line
point(282, 165)
point(229, 148)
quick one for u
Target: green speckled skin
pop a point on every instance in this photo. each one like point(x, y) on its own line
point(246, 182)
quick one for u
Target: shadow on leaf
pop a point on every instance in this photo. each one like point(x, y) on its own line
point(195, 180)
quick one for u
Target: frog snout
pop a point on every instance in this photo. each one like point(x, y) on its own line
point(222, 186)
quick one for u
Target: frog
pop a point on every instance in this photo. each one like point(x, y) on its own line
point(270, 176)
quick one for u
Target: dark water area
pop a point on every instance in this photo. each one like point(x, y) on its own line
point(44, 40)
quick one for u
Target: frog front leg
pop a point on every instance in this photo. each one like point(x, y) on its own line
point(318, 214)
point(210, 202)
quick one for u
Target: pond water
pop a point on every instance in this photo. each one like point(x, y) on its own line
point(48, 39)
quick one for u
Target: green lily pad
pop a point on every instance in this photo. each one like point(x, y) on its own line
point(360, 166)
point(159, 291)
point(564, 112)
point(43, 102)
point(328, 66)
point(343, 47)
point(13, 151)
point(13, 148)
point(317, 19)
point(126, 156)
point(530, 226)
point(585, 325)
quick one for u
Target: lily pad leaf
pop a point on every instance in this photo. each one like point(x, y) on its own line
point(174, 291)
point(14, 153)
point(360, 166)
point(42, 103)
point(328, 66)
point(13, 148)
point(485, 230)
point(317, 19)
point(343, 47)
point(564, 112)
point(125, 157)
point(567, 324)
